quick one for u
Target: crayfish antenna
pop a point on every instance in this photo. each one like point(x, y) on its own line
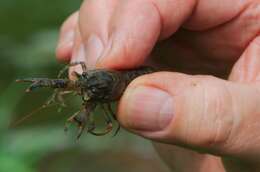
point(30, 115)
point(51, 101)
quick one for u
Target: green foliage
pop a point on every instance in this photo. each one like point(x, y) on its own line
point(28, 34)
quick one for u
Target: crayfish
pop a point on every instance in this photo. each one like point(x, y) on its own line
point(99, 87)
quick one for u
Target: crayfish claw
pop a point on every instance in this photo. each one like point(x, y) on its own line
point(36, 83)
point(45, 82)
point(32, 87)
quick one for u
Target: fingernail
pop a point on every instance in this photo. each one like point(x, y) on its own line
point(66, 40)
point(148, 109)
point(78, 55)
point(94, 48)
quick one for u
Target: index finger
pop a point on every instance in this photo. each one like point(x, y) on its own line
point(121, 34)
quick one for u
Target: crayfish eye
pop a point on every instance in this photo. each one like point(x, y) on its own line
point(84, 74)
point(94, 90)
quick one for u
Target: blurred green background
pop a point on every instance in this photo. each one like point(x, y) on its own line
point(28, 34)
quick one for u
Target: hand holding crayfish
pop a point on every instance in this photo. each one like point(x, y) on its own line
point(199, 112)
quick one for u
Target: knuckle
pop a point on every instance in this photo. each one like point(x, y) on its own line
point(70, 22)
point(218, 104)
point(252, 13)
point(251, 25)
point(213, 118)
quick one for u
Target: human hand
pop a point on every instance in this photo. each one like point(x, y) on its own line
point(199, 112)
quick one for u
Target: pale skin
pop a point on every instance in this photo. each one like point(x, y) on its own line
point(192, 112)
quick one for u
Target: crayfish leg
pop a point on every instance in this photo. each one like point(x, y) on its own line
point(117, 130)
point(109, 123)
point(109, 108)
point(57, 98)
point(81, 118)
point(70, 120)
point(108, 130)
point(80, 131)
point(115, 118)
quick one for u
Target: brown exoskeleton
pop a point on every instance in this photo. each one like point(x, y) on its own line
point(99, 87)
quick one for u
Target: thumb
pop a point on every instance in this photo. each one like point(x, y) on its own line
point(200, 112)
point(121, 34)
